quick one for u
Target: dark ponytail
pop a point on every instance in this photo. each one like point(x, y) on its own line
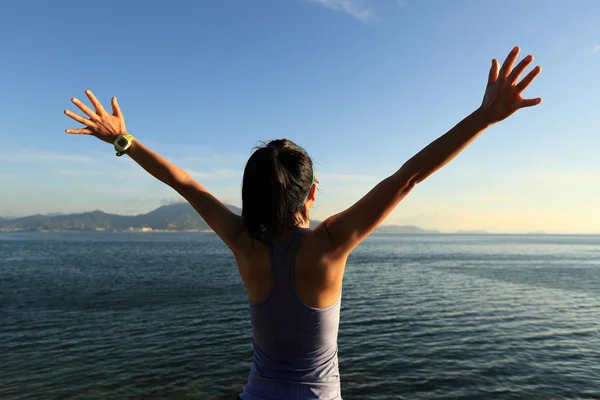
point(277, 179)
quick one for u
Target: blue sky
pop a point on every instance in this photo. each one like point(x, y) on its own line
point(361, 84)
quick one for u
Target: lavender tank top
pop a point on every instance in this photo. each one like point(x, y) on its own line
point(295, 345)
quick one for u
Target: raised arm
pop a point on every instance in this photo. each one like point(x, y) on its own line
point(502, 98)
point(108, 127)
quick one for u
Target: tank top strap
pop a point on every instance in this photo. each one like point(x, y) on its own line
point(283, 258)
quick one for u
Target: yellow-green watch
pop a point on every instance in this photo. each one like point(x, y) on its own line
point(122, 143)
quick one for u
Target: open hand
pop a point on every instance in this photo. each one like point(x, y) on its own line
point(503, 93)
point(101, 124)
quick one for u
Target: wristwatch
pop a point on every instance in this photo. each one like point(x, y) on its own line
point(122, 143)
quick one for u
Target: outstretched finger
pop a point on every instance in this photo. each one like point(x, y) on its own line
point(522, 66)
point(95, 102)
point(80, 119)
point(493, 72)
point(530, 102)
point(525, 82)
point(84, 131)
point(116, 108)
point(88, 111)
point(509, 62)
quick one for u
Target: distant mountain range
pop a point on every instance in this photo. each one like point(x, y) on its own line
point(402, 229)
point(176, 217)
point(173, 217)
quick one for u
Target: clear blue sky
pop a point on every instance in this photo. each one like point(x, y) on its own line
point(362, 85)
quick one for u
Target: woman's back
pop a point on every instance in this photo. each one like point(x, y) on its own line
point(295, 344)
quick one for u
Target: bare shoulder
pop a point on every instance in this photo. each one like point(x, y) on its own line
point(254, 269)
point(325, 245)
point(242, 246)
point(319, 254)
point(319, 271)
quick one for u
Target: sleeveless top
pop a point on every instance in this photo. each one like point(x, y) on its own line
point(295, 345)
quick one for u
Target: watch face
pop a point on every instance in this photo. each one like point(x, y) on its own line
point(122, 142)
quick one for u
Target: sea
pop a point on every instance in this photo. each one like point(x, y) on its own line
point(165, 316)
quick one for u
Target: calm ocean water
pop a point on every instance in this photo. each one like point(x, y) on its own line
point(164, 316)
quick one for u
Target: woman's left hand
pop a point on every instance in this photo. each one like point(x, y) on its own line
point(104, 126)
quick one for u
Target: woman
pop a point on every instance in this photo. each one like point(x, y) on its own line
point(293, 275)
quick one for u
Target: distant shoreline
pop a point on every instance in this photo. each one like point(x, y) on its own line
point(181, 217)
point(178, 217)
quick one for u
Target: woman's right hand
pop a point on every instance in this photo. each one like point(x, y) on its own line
point(503, 92)
point(104, 126)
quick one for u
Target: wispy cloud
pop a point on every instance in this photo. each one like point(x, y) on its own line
point(83, 173)
point(332, 176)
point(358, 9)
point(36, 155)
point(579, 178)
point(215, 174)
point(596, 49)
point(5, 176)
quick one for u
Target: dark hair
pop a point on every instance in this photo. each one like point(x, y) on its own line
point(277, 179)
